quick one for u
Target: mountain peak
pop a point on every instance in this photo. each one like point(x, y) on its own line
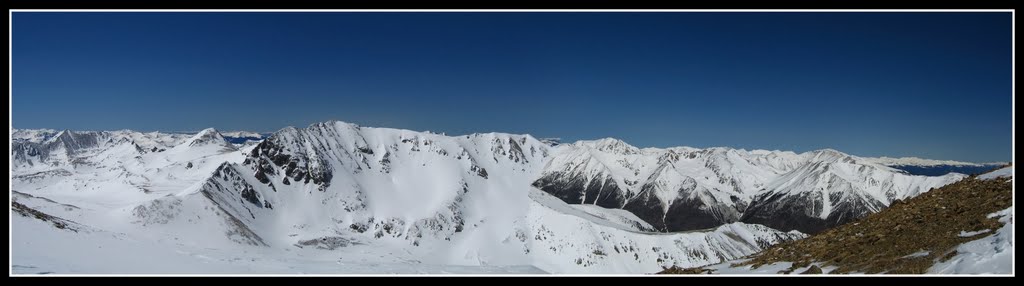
point(829, 155)
point(612, 145)
point(207, 136)
point(337, 123)
point(208, 131)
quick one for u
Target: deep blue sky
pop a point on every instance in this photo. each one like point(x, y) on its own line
point(933, 85)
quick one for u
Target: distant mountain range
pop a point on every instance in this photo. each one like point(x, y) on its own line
point(380, 195)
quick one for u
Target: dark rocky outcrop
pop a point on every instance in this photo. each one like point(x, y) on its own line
point(799, 212)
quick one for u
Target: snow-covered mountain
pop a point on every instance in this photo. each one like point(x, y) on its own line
point(678, 189)
point(673, 189)
point(32, 135)
point(832, 188)
point(58, 149)
point(380, 195)
point(375, 195)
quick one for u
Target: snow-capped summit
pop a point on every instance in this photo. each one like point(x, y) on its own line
point(611, 145)
point(208, 136)
point(830, 156)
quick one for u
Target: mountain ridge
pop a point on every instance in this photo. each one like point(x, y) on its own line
point(676, 188)
point(476, 199)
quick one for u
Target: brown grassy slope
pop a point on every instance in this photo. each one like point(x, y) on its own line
point(882, 242)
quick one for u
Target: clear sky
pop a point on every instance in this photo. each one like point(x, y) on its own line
point(933, 85)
